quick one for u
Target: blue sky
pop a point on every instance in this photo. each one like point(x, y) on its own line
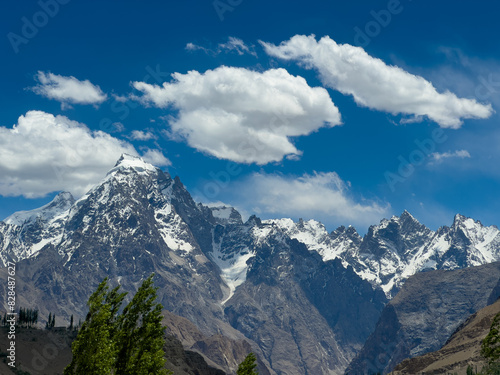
point(347, 112)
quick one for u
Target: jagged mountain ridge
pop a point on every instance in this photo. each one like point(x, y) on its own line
point(139, 220)
point(386, 256)
point(399, 247)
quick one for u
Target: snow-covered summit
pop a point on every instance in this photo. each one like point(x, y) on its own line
point(314, 235)
point(61, 203)
point(124, 174)
point(27, 232)
point(136, 163)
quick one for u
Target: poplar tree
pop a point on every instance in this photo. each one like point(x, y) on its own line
point(128, 343)
point(141, 335)
point(248, 366)
point(94, 349)
point(49, 321)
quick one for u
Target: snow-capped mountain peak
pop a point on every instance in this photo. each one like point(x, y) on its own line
point(61, 203)
point(314, 235)
point(27, 232)
point(136, 163)
point(461, 221)
point(407, 217)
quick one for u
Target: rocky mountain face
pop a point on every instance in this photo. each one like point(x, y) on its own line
point(186, 362)
point(463, 349)
point(218, 350)
point(244, 281)
point(424, 314)
point(400, 247)
point(303, 312)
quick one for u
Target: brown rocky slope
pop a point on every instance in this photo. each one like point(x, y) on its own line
point(462, 349)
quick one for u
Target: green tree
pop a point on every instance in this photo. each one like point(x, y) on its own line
point(141, 335)
point(248, 366)
point(35, 317)
point(128, 343)
point(490, 369)
point(49, 321)
point(94, 349)
point(490, 348)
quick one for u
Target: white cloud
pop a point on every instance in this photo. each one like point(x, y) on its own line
point(232, 45)
point(139, 135)
point(460, 154)
point(44, 153)
point(116, 127)
point(156, 158)
point(237, 45)
point(194, 47)
point(68, 90)
point(322, 196)
point(375, 84)
point(242, 115)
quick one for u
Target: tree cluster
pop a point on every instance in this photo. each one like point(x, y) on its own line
point(51, 321)
point(27, 317)
point(130, 342)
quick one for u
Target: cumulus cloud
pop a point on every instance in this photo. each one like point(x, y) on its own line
point(374, 84)
point(235, 45)
point(322, 196)
point(460, 154)
point(68, 90)
point(242, 115)
point(44, 153)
